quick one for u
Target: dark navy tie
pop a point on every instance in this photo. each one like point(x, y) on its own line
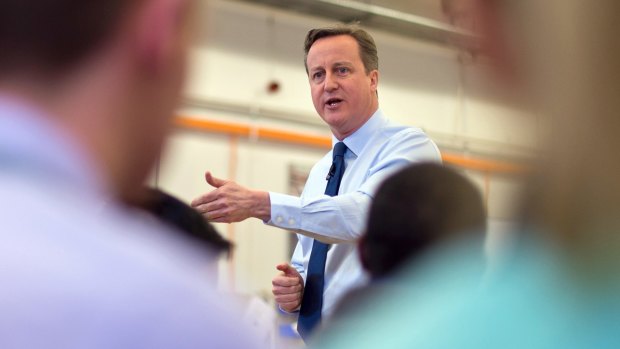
point(312, 302)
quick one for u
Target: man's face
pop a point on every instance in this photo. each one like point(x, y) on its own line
point(343, 94)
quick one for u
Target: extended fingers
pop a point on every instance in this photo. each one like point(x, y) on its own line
point(210, 207)
point(219, 210)
point(204, 199)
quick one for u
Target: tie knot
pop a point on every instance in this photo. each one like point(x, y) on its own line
point(339, 149)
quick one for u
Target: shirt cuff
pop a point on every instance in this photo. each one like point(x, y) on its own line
point(296, 311)
point(285, 211)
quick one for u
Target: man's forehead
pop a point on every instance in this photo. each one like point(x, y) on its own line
point(342, 50)
point(335, 43)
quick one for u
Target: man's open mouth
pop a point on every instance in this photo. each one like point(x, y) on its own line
point(333, 102)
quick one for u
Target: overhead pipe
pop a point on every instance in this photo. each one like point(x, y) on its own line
point(399, 16)
point(323, 142)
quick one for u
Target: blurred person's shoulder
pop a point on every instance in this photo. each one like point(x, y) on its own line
point(92, 263)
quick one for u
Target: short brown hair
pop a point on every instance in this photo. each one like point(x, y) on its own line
point(417, 209)
point(365, 42)
point(52, 36)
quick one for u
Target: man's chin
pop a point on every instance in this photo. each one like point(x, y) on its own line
point(334, 115)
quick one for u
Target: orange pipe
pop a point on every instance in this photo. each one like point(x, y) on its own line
point(483, 165)
point(213, 126)
point(271, 134)
point(296, 138)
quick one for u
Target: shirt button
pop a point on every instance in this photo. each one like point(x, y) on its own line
point(291, 221)
point(279, 219)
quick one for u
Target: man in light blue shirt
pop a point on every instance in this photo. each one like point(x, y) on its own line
point(87, 93)
point(342, 66)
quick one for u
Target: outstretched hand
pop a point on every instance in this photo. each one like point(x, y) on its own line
point(230, 202)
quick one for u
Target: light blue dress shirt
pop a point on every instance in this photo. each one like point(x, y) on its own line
point(78, 274)
point(376, 150)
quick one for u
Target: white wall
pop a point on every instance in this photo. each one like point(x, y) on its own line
point(242, 47)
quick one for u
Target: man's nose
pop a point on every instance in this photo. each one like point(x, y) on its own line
point(330, 82)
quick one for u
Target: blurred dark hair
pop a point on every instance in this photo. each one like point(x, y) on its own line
point(416, 208)
point(52, 36)
point(367, 47)
point(184, 219)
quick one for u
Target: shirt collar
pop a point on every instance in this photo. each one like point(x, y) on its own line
point(358, 139)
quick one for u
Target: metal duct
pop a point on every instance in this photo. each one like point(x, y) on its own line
point(374, 16)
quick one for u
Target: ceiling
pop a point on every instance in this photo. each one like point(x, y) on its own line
point(425, 8)
point(420, 19)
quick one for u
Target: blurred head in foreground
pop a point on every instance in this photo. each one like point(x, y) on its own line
point(87, 93)
point(560, 289)
point(107, 73)
point(416, 209)
point(563, 56)
point(420, 209)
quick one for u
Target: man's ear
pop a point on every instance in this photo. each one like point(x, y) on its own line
point(157, 29)
point(374, 79)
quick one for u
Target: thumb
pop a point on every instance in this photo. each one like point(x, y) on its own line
point(213, 181)
point(287, 269)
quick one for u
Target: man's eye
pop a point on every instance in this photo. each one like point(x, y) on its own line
point(343, 70)
point(317, 75)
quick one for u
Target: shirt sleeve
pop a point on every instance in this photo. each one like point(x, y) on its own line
point(297, 261)
point(325, 218)
point(342, 218)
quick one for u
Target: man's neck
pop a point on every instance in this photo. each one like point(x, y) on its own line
point(342, 136)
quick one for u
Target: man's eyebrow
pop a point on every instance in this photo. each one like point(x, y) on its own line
point(343, 63)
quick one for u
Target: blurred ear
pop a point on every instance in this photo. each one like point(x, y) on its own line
point(159, 28)
point(361, 247)
point(495, 41)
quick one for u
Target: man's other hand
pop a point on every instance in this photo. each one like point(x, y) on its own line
point(288, 288)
